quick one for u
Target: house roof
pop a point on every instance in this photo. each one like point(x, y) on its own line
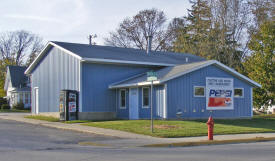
point(175, 64)
point(108, 54)
point(168, 73)
point(17, 76)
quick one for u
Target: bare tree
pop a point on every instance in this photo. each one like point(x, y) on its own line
point(232, 17)
point(18, 45)
point(132, 32)
point(261, 10)
point(34, 50)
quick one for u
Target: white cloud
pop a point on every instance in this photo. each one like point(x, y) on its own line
point(32, 17)
point(74, 20)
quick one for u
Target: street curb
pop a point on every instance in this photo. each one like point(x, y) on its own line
point(152, 141)
point(213, 142)
point(76, 129)
point(46, 124)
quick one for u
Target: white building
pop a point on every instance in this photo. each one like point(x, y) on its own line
point(17, 86)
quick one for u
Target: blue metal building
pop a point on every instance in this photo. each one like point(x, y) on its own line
point(112, 83)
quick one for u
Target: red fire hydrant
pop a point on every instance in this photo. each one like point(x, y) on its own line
point(210, 124)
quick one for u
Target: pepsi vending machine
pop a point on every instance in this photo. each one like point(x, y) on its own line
point(68, 105)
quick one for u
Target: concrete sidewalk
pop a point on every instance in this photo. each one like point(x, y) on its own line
point(127, 139)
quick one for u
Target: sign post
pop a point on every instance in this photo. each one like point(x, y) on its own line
point(151, 77)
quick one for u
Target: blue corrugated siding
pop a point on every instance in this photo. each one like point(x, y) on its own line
point(96, 78)
point(180, 95)
point(55, 72)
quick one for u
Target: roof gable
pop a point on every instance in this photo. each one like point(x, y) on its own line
point(169, 73)
point(15, 74)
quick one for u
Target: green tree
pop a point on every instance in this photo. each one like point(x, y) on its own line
point(260, 66)
point(3, 69)
point(214, 30)
point(193, 37)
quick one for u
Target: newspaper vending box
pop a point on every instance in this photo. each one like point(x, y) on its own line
point(68, 105)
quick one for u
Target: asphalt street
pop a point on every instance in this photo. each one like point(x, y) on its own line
point(26, 142)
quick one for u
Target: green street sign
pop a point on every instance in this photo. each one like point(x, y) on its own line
point(151, 76)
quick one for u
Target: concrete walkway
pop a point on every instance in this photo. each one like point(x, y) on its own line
point(126, 137)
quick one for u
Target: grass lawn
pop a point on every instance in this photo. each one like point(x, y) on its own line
point(259, 123)
point(54, 119)
point(13, 110)
point(44, 118)
point(265, 123)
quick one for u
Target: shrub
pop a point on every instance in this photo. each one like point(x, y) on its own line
point(3, 101)
point(5, 107)
point(19, 106)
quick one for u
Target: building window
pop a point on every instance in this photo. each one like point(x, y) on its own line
point(238, 92)
point(20, 97)
point(145, 97)
point(26, 98)
point(199, 91)
point(122, 97)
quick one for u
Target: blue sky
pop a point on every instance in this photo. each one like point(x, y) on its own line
point(74, 20)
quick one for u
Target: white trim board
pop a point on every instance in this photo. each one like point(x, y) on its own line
point(133, 84)
point(80, 87)
point(242, 92)
point(113, 61)
point(194, 95)
point(165, 102)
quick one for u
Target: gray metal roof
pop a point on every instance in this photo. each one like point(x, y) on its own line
point(162, 74)
point(168, 73)
point(127, 54)
point(17, 76)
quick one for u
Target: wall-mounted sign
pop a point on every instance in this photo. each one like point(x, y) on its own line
point(151, 76)
point(219, 93)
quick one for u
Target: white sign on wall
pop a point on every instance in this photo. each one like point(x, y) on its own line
point(219, 93)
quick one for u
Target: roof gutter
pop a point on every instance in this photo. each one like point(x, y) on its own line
point(113, 61)
point(133, 84)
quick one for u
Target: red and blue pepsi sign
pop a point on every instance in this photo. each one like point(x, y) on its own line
point(219, 93)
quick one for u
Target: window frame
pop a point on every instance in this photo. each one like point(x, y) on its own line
point(242, 92)
point(122, 107)
point(148, 97)
point(194, 91)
